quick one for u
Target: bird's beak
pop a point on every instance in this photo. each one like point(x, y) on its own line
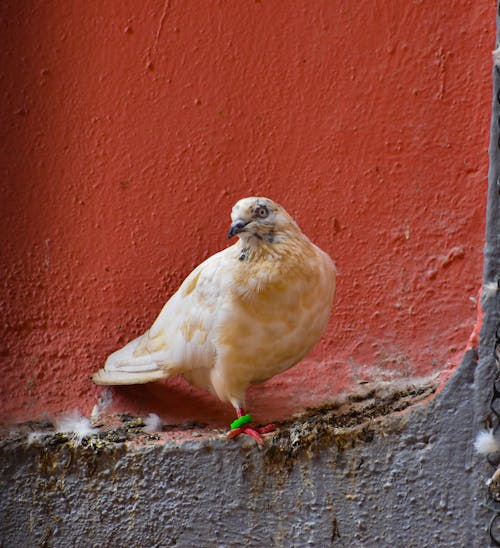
point(237, 227)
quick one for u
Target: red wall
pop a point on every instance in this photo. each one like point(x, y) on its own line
point(129, 129)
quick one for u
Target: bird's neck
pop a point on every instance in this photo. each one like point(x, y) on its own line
point(275, 245)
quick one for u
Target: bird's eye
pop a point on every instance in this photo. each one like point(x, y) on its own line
point(261, 212)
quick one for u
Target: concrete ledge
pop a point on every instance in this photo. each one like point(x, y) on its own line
point(361, 474)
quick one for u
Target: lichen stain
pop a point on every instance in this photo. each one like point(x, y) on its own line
point(337, 427)
point(59, 454)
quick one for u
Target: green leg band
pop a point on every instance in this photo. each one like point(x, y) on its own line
point(245, 419)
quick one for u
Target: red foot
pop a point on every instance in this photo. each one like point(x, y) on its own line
point(255, 433)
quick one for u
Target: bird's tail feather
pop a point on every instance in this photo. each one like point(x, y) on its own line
point(118, 377)
point(124, 367)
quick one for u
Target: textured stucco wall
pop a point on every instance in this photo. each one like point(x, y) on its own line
point(408, 479)
point(129, 129)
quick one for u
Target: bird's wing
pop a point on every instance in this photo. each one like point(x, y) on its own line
point(182, 338)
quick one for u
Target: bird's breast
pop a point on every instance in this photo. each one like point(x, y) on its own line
point(278, 311)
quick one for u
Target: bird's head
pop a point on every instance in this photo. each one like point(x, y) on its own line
point(260, 219)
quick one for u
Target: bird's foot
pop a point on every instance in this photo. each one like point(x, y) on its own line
point(242, 426)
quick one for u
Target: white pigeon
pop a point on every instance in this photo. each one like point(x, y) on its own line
point(242, 316)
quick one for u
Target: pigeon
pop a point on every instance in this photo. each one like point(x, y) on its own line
point(245, 314)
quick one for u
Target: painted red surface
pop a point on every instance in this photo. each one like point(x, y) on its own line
point(129, 129)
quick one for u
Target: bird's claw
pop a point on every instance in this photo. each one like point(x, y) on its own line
point(255, 433)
